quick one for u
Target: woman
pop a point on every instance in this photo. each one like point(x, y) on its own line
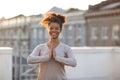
point(53, 55)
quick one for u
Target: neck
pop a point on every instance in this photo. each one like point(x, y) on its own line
point(54, 40)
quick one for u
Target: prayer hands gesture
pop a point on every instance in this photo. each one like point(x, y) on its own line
point(52, 53)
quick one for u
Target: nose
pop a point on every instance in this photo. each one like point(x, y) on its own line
point(53, 29)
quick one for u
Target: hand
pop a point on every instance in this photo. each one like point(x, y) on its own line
point(52, 52)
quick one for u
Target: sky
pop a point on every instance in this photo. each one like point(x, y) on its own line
point(11, 8)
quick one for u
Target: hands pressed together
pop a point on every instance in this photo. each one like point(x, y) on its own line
point(52, 53)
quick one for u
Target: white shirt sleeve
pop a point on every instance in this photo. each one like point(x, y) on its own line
point(35, 57)
point(69, 60)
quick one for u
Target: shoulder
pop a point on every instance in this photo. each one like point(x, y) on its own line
point(40, 45)
point(65, 46)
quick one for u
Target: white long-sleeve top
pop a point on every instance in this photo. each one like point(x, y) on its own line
point(52, 69)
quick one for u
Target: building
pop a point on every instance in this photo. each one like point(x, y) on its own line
point(103, 24)
point(23, 33)
point(73, 33)
point(14, 32)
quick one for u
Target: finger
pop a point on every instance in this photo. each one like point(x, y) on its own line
point(54, 54)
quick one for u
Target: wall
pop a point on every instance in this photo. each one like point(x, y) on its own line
point(95, 63)
point(5, 63)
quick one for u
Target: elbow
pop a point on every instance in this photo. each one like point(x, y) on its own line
point(74, 64)
point(29, 60)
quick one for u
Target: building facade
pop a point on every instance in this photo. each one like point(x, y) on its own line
point(24, 33)
point(14, 33)
point(103, 24)
point(73, 33)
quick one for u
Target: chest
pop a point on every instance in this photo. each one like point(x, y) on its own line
point(60, 51)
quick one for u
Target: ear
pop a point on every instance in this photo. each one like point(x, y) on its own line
point(60, 30)
point(47, 28)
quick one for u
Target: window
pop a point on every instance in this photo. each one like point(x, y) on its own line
point(46, 35)
point(70, 28)
point(40, 33)
point(115, 32)
point(94, 34)
point(34, 33)
point(104, 32)
point(70, 32)
point(78, 33)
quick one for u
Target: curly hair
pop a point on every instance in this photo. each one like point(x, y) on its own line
point(50, 17)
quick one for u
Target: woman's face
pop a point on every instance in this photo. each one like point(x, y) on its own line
point(54, 30)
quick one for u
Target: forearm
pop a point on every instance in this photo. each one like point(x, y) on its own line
point(66, 61)
point(37, 59)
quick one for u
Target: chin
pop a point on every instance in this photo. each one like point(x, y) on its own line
point(54, 37)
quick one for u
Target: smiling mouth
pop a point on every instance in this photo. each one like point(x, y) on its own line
point(54, 34)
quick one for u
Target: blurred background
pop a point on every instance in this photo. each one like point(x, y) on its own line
point(92, 30)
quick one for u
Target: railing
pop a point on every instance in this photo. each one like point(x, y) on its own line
point(5, 63)
point(93, 63)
